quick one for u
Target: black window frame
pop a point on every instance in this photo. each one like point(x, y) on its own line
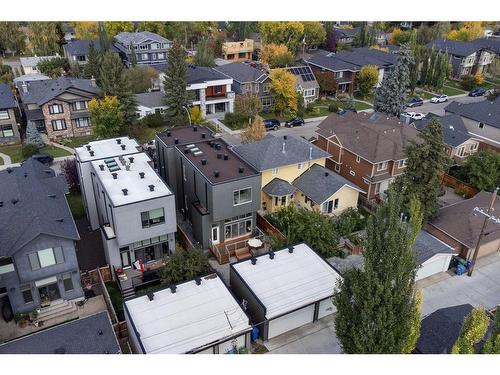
point(3, 128)
point(51, 109)
point(148, 222)
point(53, 122)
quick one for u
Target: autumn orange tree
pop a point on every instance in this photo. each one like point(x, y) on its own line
point(254, 132)
point(276, 55)
point(468, 31)
point(86, 30)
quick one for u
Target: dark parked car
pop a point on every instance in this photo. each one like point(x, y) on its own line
point(477, 92)
point(297, 121)
point(272, 124)
point(43, 158)
point(415, 102)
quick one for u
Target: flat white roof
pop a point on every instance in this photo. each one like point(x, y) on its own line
point(192, 317)
point(137, 187)
point(288, 281)
point(106, 148)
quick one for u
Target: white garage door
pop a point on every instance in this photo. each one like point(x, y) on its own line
point(326, 307)
point(290, 321)
point(438, 263)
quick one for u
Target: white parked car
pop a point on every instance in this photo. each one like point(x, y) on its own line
point(413, 115)
point(439, 99)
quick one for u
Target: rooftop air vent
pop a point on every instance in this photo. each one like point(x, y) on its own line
point(123, 147)
point(285, 137)
point(186, 151)
point(219, 156)
point(60, 220)
point(100, 332)
point(1, 203)
point(173, 288)
point(151, 296)
point(141, 174)
point(51, 195)
point(9, 170)
point(218, 146)
point(25, 174)
point(203, 135)
point(88, 147)
point(241, 169)
point(290, 249)
point(91, 153)
point(169, 133)
point(101, 167)
point(212, 144)
point(119, 141)
point(125, 191)
point(216, 174)
point(203, 161)
point(14, 200)
point(254, 261)
point(327, 174)
point(115, 175)
point(198, 281)
point(131, 159)
point(195, 128)
point(271, 255)
point(226, 157)
point(151, 188)
point(176, 141)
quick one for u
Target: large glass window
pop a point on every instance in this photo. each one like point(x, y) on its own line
point(4, 115)
point(242, 196)
point(238, 228)
point(78, 106)
point(59, 124)
point(67, 282)
point(6, 131)
point(82, 122)
point(153, 217)
point(382, 166)
point(55, 109)
point(46, 258)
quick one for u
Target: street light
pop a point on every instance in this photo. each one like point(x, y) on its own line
point(189, 114)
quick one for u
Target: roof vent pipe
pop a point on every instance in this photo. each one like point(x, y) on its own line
point(195, 128)
point(203, 135)
point(271, 255)
point(290, 249)
point(226, 157)
point(101, 167)
point(327, 174)
point(125, 191)
point(241, 169)
point(173, 288)
point(216, 174)
point(9, 170)
point(285, 137)
point(119, 141)
point(151, 188)
point(131, 159)
point(169, 133)
point(254, 261)
point(198, 281)
point(151, 296)
point(91, 153)
point(88, 147)
point(141, 174)
point(203, 161)
point(176, 141)
point(115, 175)
point(123, 147)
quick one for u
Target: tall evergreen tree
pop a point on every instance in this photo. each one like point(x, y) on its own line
point(425, 67)
point(33, 136)
point(114, 83)
point(133, 56)
point(427, 160)
point(175, 84)
point(91, 69)
point(390, 97)
point(103, 38)
point(430, 70)
point(204, 54)
point(377, 306)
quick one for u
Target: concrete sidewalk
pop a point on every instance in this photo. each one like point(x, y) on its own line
point(6, 159)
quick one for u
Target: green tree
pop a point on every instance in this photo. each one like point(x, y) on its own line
point(185, 265)
point(53, 67)
point(390, 96)
point(141, 78)
point(367, 78)
point(6, 75)
point(314, 34)
point(33, 136)
point(248, 105)
point(204, 54)
point(175, 85)
point(473, 330)
point(425, 57)
point(113, 28)
point(427, 160)
point(283, 91)
point(114, 82)
point(289, 33)
point(103, 37)
point(106, 116)
point(492, 344)
point(483, 170)
point(11, 38)
point(241, 30)
point(377, 307)
point(44, 38)
point(91, 69)
point(133, 56)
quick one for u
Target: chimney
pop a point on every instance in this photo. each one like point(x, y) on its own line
point(101, 167)
point(241, 169)
point(226, 157)
point(141, 174)
point(131, 159)
point(119, 141)
point(176, 141)
point(92, 82)
point(91, 153)
point(123, 147)
point(254, 260)
point(169, 133)
point(195, 128)
point(151, 188)
point(115, 175)
point(290, 249)
point(203, 135)
point(283, 148)
point(216, 174)
point(203, 161)
point(151, 296)
point(125, 191)
point(198, 281)
point(173, 288)
point(271, 255)
point(24, 87)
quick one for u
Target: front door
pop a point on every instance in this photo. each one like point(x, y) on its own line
point(126, 261)
point(48, 293)
point(215, 235)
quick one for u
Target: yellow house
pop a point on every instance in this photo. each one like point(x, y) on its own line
point(323, 190)
point(281, 160)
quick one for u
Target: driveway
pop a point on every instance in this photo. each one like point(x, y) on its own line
point(438, 108)
point(481, 289)
point(313, 338)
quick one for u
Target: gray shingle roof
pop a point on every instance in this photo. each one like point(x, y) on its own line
point(151, 99)
point(320, 183)
point(7, 99)
point(34, 114)
point(278, 188)
point(346, 33)
point(268, 153)
point(89, 335)
point(127, 38)
point(454, 130)
point(30, 77)
point(426, 246)
point(81, 47)
point(486, 111)
point(242, 72)
point(492, 44)
point(40, 92)
point(199, 74)
point(332, 63)
point(34, 203)
point(354, 60)
point(440, 330)
point(455, 47)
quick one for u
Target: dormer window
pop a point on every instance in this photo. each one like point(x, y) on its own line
point(402, 163)
point(481, 125)
point(382, 166)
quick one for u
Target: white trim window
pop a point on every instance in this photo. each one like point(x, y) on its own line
point(352, 173)
point(358, 159)
point(266, 87)
point(80, 105)
point(161, 56)
point(6, 131)
point(402, 163)
point(242, 196)
point(382, 166)
point(4, 115)
point(82, 122)
point(274, 171)
point(267, 101)
point(337, 168)
point(473, 146)
point(46, 258)
point(309, 92)
point(144, 56)
point(461, 151)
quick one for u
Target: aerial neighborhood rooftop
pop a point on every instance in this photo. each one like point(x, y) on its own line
point(249, 187)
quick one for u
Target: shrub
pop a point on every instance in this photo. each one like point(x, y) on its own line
point(467, 82)
point(349, 221)
point(235, 120)
point(153, 120)
point(29, 150)
point(310, 108)
point(185, 265)
point(333, 107)
point(479, 79)
point(69, 170)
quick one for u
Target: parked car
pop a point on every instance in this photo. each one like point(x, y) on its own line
point(415, 102)
point(477, 92)
point(413, 115)
point(439, 99)
point(43, 158)
point(272, 124)
point(297, 121)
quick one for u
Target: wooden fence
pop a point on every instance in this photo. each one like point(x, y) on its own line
point(183, 239)
point(267, 227)
point(459, 186)
point(102, 280)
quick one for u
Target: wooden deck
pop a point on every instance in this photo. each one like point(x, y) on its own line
point(237, 247)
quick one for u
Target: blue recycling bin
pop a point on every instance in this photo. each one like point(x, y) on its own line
point(255, 333)
point(469, 264)
point(460, 269)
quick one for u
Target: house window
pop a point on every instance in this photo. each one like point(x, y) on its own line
point(78, 106)
point(242, 196)
point(274, 171)
point(266, 87)
point(266, 102)
point(309, 92)
point(336, 203)
point(155, 45)
point(352, 173)
point(257, 88)
point(382, 166)
point(6, 265)
point(337, 168)
point(402, 163)
point(218, 89)
point(67, 282)
point(461, 151)
point(143, 47)
point(481, 125)
point(473, 146)
point(339, 74)
point(45, 258)
point(283, 200)
point(6, 131)
point(330, 206)
point(239, 227)
point(153, 56)
point(300, 166)
point(153, 217)
point(59, 125)
point(81, 58)
point(144, 56)
point(4, 115)
point(26, 292)
point(161, 56)
point(55, 109)
point(82, 122)
point(242, 55)
point(358, 159)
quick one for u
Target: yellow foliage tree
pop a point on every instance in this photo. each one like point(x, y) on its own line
point(114, 27)
point(86, 30)
point(276, 55)
point(473, 330)
point(394, 36)
point(196, 115)
point(479, 79)
point(254, 132)
point(106, 116)
point(284, 91)
point(468, 31)
point(289, 33)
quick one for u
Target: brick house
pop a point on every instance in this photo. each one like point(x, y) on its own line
point(58, 107)
point(366, 149)
point(9, 130)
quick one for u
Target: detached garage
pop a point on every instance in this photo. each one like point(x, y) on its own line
point(433, 255)
point(284, 290)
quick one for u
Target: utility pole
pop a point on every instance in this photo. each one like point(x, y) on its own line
point(487, 217)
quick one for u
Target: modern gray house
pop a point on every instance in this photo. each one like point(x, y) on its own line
point(9, 129)
point(77, 51)
point(38, 263)
point(149, 48)
point(248, 80)
point(216, 190)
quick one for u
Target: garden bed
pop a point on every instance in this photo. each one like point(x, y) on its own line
point(75, 203)
point(116, 299)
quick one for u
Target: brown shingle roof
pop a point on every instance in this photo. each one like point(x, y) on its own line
point(374, 137)
point(460, 221)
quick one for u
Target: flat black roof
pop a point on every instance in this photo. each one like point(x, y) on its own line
point(185, 134)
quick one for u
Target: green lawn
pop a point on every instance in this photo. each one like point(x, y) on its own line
point(55, 151)
point(1, 161)
point(361, 106)
point(75, 203)
point(16, 155)
point(116, 299)
point(451, 91)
